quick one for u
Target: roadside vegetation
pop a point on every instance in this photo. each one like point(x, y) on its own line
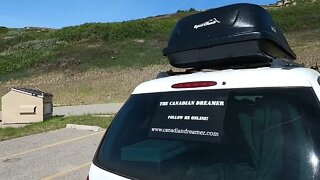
point(103, 62)
point(53, 123)
point(301, 17)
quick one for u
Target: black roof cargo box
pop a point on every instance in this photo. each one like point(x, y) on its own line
point(234, 35)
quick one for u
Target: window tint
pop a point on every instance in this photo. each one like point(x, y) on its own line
point(234, 134)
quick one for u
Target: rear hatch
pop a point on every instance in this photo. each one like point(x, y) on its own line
point(255, 133)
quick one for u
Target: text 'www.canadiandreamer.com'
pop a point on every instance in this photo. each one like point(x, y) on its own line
point(185, 131)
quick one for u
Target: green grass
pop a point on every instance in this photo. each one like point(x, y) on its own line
point(3, 30)
point(304, 16)
point(109, 45)
point(125, 54)
point(114, 31)
point(53, 123)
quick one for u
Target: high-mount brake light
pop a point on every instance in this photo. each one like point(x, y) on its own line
point(195, 84)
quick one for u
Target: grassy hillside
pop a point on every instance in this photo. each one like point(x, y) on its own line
point(85, 46)
point(103, 62)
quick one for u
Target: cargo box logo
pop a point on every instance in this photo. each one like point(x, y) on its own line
point(274, 29)
point(208, 23)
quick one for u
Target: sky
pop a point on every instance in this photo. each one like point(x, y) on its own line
point(62, 13)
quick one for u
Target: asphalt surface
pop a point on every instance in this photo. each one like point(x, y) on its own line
point(110, 108)
point(61, 154)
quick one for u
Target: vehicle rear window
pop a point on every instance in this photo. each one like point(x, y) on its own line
point(215, 134)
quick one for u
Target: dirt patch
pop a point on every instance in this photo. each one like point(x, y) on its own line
point(309, 54)
point(92, 86)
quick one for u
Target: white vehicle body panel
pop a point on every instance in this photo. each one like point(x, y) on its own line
point(97, 173)
point(244, 78)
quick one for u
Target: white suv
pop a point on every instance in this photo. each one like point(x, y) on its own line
point(230, 124)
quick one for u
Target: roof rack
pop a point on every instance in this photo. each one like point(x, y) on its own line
point(315, 67)
point(284, 63)
point(172, 73)
point(276, 63)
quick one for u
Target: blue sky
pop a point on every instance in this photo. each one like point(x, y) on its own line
point(61, 13)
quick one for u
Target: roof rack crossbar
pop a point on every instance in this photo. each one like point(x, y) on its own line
point(284, 63)
point(315, 67)
point(172, 73)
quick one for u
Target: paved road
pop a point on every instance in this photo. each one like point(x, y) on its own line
point(110, 108)
point(61, 154)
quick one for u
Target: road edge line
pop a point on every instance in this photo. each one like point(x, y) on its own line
point(63, 173)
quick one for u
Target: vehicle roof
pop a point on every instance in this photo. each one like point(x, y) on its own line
point(241, 78)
